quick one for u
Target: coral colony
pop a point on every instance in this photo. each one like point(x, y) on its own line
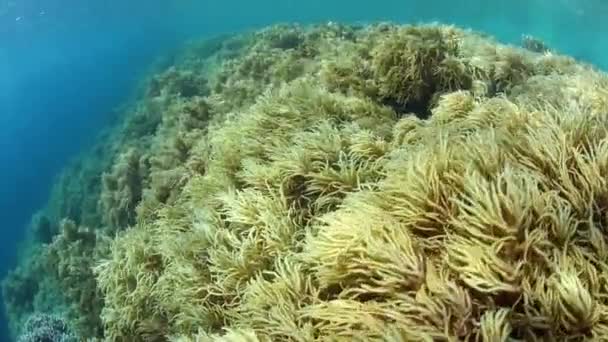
point(336, 183)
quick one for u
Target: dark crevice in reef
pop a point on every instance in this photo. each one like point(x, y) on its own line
point(421, 108)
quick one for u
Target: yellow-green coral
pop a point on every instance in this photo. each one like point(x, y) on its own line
point(373, 183)
point(412, 63)
point(321, 215)
point(335, 156)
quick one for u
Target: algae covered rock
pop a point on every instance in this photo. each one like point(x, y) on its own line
point(337, 182)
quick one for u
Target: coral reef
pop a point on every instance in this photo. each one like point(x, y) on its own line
point(70, 259)
point(336, 182)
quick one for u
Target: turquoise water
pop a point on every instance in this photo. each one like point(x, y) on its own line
point(66, 66)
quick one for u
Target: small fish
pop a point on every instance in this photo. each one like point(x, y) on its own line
point(18, 18)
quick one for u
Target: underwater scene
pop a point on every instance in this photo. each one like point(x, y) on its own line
point(333, 170)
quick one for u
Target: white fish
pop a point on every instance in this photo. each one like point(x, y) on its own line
point(18, 18)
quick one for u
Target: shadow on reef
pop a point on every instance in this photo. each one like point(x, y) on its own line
point(377, 182)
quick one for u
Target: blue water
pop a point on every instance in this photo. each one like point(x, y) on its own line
point(65, 65)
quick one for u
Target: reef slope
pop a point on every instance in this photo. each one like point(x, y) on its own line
point(337, 182)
